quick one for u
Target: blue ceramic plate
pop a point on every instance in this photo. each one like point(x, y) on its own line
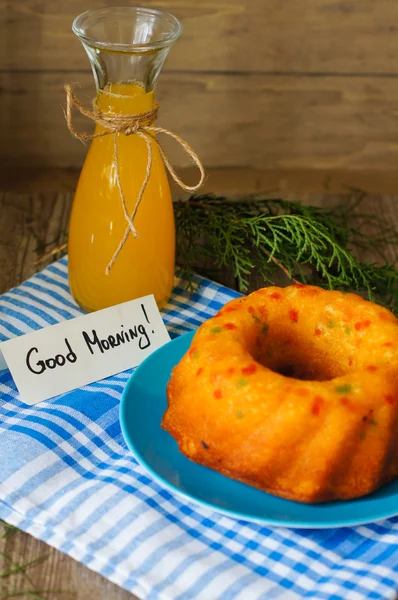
point(142, 407)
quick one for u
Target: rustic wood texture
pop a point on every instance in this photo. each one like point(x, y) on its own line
point(243, 180)
point(256, 120)
point(56, 571)
point(294, 84)
point(34, 218)
point(27, 224)
point(292, 36)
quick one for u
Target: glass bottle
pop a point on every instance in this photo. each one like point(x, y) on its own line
point(126, 47)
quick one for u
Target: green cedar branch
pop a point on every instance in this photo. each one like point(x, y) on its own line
point(310, 244)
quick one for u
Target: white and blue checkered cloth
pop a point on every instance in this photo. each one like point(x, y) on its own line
point(67, 477)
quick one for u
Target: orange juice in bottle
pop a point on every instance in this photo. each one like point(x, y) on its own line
point(126, 47)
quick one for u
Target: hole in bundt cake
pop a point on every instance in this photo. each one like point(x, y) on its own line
point(303, 372)
point(293, 356)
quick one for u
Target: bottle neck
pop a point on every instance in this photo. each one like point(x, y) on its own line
point(132, 75)
point(125, 98)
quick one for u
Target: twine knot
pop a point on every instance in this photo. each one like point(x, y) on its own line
point(131, 130)
point(140, 124)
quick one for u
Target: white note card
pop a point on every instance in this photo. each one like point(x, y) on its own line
point(73, 353)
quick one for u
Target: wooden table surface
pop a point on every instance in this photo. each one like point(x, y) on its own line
point(29, 221)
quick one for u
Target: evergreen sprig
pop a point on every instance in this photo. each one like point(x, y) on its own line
point(309, 243)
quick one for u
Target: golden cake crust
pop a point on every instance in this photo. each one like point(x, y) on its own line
point(294, 391)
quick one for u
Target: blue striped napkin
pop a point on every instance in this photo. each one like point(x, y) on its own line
point(68, 478)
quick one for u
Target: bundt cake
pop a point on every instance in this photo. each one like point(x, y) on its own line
point(293, 390)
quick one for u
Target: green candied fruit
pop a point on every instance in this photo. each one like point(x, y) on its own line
point(346, 388)
point(195, 354)
point(347, 330)
point(264, 329)
point(216, 330)
point(331, 324)
point(374, 422)
point(256, 318)
point(243, 381)
point(239, 414)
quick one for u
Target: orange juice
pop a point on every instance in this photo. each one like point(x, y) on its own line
point(145, 264)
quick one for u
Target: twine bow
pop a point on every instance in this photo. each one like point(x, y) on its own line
point(140, 124)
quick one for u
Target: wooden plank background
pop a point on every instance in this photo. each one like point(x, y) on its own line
point(264, 83)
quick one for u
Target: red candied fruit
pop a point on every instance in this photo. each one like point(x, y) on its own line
point(318, 331)
point(249, 370)
point(299, 285)
point(217, 394)
point(347, 403)
point(231, 370)
point(389, 398)
point(230, 326)
point(360, 325)
point(384, 316)
point(263, 311)
point(302, 392)
point(371, 368)
point(199, 371)
point(192, 350)
point(387, 344)
point(228, 309)
point(275, 296)
point(350, 362)
point(317, 405)
point(250, 309)
point(293, 315)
